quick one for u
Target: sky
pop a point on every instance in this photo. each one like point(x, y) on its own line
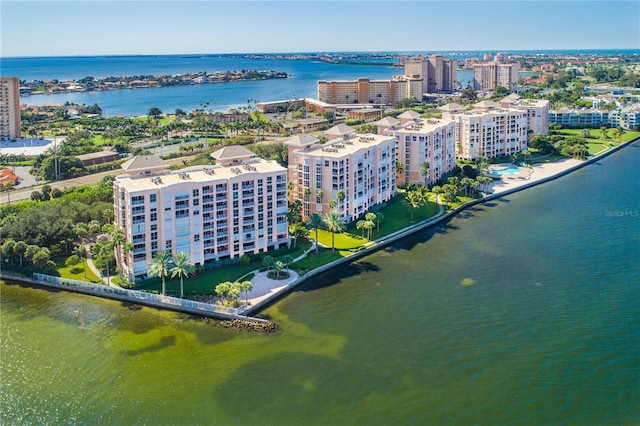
point(65, 28)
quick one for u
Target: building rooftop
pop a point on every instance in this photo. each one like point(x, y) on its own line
point(339, 130)
point(197, 174)
point(409, 115)
point(424, 126)
point(143, 162)
point(349, 144)
point(387, 121)
point(232, 152)
point(451, 107)
point(301, 139)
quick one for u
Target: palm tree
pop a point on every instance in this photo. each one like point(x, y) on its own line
point(371, 223)
point(160, 266)
point(246, 286)
point(341, 195)
point(319, 195)
point(412, 200)
point(268, 262)
point(316, 222)
point(379, 220)
point(332, 204)
point(360, 225)
point(287, 259)
point(223, 289)
point(81, 252)
point(619, 132)
point(424, 171)
point(603, 133)
point(277, 266)
point(334, 223)
point(182, 268)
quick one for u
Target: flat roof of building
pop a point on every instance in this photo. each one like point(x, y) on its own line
point(197, 174)
point(347, 145)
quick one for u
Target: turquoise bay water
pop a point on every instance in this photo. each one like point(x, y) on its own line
point(507, 171)
point(521, 311)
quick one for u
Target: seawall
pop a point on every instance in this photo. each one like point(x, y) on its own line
point(391, 238)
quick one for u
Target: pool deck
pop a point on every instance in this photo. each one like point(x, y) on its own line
point(538, 172)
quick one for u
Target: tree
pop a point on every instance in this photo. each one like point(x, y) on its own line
point(294, 212)
point(334, 223)
point(619, 132)
point(277, 266)
point(246, 286)
point(424, 171)
point(370, 219)
point(379, 220)
point(19, 248)
point(319, 195)
point(603, 133)
point(267, 261)
point(160, 266)
point(81, 253)
point(360, 226)
point(66, 166)
point(223, 289)
point(41, 258)
point(413, 200)
point(154, 112)
point(332, 203)
point(299, 230)
point(181, 268)
point(287, 259)
point(316, 222)
point(341, 195)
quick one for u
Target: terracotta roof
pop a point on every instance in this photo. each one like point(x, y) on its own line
point(143, 162)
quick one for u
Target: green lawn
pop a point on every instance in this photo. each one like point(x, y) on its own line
point(343, 241)
point(596, 148)
point(75, 272)
point(314, 260)
point(206, 281)
point(596, 135)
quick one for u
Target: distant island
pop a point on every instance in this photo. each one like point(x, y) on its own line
point(92, 84)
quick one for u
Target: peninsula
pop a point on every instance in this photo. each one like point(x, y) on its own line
point(93, 84)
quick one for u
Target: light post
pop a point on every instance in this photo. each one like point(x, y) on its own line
point(205, 115)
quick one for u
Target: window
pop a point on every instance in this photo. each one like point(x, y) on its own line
point(196, 192)
point(169, 244)
point(196, 237)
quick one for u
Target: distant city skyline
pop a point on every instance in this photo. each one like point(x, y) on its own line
point(60, 28)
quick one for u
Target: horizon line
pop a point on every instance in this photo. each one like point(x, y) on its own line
point(637, 50)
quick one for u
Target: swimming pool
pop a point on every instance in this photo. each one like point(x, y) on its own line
point(510, 171)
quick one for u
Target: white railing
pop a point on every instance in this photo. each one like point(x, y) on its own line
point(136, 295)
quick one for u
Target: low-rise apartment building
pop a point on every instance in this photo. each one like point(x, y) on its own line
point(355, 171)
point(422, 145)
point(237, 207)
point(488, 130)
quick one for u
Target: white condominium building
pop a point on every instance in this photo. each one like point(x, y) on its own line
point(237, 207)
point(422, 145)
point(488, 130)
point(355, 171)
point(9, 108)
point(537, 112)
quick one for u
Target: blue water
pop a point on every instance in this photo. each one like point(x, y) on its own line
point(303, 82)
point(521, 311)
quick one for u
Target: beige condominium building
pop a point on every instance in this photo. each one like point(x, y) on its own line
point(537, 113)
point(9, 108)
point(438, 74)
point(487, 130)
point(425, 147)
point(237, 207)
point(489, 75)
point(356, 172)
point(365, 91)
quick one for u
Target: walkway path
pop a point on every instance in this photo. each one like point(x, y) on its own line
point(95, 270)
point(265, 287)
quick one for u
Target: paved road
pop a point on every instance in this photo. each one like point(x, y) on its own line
point(19, 194)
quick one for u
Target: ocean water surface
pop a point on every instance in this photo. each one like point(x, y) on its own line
point(522, 311)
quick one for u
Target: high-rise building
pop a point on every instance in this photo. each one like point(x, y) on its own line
point(355, 171)
point(488, 130)
point(237, 207)
point(422, 145)
point(9, 108)
point(487, 76)
point(438, 74)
